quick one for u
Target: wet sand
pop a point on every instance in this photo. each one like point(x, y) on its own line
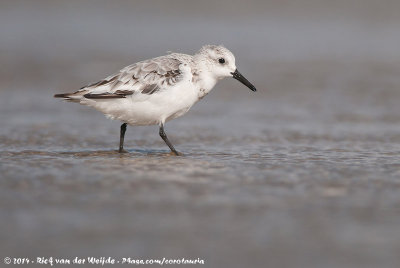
point(303, 173)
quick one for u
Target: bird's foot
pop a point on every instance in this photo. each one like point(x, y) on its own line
point(122, 151)
point(175, 153)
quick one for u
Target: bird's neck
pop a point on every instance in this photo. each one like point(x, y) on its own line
point(207, 80)
point(203, 77)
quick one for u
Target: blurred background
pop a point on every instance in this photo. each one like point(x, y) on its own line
point(303, 173)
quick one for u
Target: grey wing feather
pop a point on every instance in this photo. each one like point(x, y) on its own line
point(146, 77)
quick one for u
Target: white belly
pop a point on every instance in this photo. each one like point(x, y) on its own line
point(141, 109)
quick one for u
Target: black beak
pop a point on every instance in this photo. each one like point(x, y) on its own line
point(241, 78)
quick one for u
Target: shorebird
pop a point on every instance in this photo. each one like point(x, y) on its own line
point(154, 91)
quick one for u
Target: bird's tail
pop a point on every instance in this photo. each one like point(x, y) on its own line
point(73, 97)
point(62, 95)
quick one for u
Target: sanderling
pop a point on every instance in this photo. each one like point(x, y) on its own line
point(154, 91)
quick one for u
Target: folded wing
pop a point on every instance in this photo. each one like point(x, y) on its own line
point(146, 77)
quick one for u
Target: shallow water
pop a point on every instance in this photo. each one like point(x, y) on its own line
point(303, 173)
point(263, 176)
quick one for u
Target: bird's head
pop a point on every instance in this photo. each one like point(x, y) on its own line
point(221, 63)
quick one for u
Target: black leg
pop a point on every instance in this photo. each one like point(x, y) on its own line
point(165, 138)
point(121, 138)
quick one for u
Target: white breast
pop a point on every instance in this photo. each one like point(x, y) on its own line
point(204, 85)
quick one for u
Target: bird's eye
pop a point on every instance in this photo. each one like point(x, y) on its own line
point(221, 60)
